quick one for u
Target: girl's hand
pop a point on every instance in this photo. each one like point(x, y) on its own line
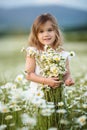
point(69, 82)
point(54, 82)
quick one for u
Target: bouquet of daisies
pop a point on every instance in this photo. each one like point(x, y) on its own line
point(52, 64)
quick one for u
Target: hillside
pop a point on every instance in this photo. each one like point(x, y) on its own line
point(23, 17)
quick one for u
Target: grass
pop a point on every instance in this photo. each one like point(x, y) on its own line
point(11, 58)
point(12, 61)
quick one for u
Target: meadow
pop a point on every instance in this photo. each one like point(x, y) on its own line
point(12, 60)
point(17, 109)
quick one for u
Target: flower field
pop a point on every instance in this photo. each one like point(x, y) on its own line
point(24, 108)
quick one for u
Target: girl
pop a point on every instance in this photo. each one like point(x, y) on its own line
point(45, 31)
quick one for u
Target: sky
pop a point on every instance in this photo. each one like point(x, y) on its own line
point(80, 4)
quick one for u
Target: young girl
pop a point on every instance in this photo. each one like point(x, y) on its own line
point(45, 31)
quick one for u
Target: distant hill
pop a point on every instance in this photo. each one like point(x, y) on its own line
point(23, 17)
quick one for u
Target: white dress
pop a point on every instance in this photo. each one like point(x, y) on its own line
point(53, 95)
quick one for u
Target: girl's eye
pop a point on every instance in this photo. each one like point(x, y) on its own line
point(41, 31)
point(49, 30)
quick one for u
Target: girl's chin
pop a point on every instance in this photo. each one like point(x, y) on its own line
point(50, 44)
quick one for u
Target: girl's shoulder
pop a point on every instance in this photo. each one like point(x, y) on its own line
point(31, 48)
point(67, 54)
point(64, 53)
point(31, 51)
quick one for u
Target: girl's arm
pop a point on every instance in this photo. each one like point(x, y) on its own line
point(67, 77)
point(32, 76)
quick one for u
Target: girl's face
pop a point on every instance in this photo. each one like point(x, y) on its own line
point(46, 34)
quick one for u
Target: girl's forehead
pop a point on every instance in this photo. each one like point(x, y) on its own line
point(46, 24)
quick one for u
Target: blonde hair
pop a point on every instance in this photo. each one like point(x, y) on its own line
point(40, 20)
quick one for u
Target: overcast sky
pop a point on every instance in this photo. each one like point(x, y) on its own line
point(82, 4)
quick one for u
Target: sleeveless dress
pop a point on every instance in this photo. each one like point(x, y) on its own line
point(50, 94)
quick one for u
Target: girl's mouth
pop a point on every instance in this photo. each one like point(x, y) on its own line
point(47, 39)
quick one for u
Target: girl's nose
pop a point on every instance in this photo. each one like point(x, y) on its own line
point(46, 33)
